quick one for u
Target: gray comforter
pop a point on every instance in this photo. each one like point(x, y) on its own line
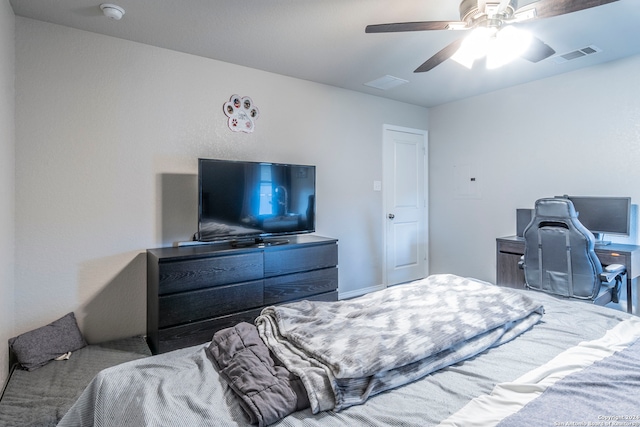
point(348, 351)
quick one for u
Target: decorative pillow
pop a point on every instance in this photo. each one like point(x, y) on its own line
point(38, 347)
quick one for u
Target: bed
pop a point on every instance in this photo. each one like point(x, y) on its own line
point(579, 364)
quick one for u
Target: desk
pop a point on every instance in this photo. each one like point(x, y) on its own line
point(510, 249)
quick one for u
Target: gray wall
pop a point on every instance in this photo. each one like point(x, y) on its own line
point(7, 182)
point(108, 137)
point(107, 133)
point(577, 133)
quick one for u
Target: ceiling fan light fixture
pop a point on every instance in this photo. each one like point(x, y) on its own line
point(474, 46)
point(492, 15)
point(508, 44)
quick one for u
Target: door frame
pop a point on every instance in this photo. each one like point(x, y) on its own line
point(385, 194)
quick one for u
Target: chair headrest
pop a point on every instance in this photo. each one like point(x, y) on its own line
point(555, 207)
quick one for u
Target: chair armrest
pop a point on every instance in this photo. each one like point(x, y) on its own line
point(612, 271)
point(615, 268)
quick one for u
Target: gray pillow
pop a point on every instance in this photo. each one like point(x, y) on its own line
point(38, 347)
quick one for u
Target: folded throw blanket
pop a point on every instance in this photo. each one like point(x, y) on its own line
point(346, 351)
point(268, 392)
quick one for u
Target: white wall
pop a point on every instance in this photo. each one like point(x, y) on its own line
point(577, 133)
point(108, 133)
point(7, 181)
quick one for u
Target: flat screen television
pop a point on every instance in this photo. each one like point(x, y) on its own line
point(251, 202)
point(603, 215)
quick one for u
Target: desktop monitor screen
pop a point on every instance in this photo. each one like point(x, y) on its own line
point(604, 215)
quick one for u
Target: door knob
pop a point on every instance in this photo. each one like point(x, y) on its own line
point(391, 216)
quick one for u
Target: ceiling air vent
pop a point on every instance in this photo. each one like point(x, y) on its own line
point(589, 50)
point(387, 82)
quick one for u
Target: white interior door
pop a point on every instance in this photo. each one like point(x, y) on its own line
point(405, 202)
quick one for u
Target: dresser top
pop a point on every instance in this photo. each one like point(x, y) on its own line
point(208, 248)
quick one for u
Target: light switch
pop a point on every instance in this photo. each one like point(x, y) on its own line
point(377, 185)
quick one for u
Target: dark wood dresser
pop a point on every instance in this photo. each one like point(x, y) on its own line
point(193, 291)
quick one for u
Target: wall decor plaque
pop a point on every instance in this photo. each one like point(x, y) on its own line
point(242, 113)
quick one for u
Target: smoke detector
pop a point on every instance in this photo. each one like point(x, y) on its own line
point(112, 11)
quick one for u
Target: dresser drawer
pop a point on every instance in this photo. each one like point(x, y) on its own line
point(180, 276)
point(201, 331)
point(285, 261)
point(185, 307)
point(300, 285)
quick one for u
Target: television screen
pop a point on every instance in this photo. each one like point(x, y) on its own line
point(604, 215)
point(250, 200)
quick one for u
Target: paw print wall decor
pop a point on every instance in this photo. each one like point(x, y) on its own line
point(241, 113)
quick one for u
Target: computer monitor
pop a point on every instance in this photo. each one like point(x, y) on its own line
point(604, 215)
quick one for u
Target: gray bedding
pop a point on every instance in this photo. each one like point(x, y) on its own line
point(183, 388)
point(592, 383)
point(348, 351)
point(340, 354)
point(610, 382)
point(40, 398)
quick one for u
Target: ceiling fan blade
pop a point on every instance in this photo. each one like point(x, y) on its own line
point(537, 51)
point(411, 26)
point(549, 8)
point(440, 57)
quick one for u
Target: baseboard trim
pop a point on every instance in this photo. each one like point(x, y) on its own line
point(359, 292)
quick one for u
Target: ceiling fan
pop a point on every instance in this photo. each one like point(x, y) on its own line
point(494, 25)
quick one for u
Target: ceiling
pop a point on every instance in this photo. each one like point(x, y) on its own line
point(324, 40)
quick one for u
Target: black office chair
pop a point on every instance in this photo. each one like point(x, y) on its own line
point(559, 256)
